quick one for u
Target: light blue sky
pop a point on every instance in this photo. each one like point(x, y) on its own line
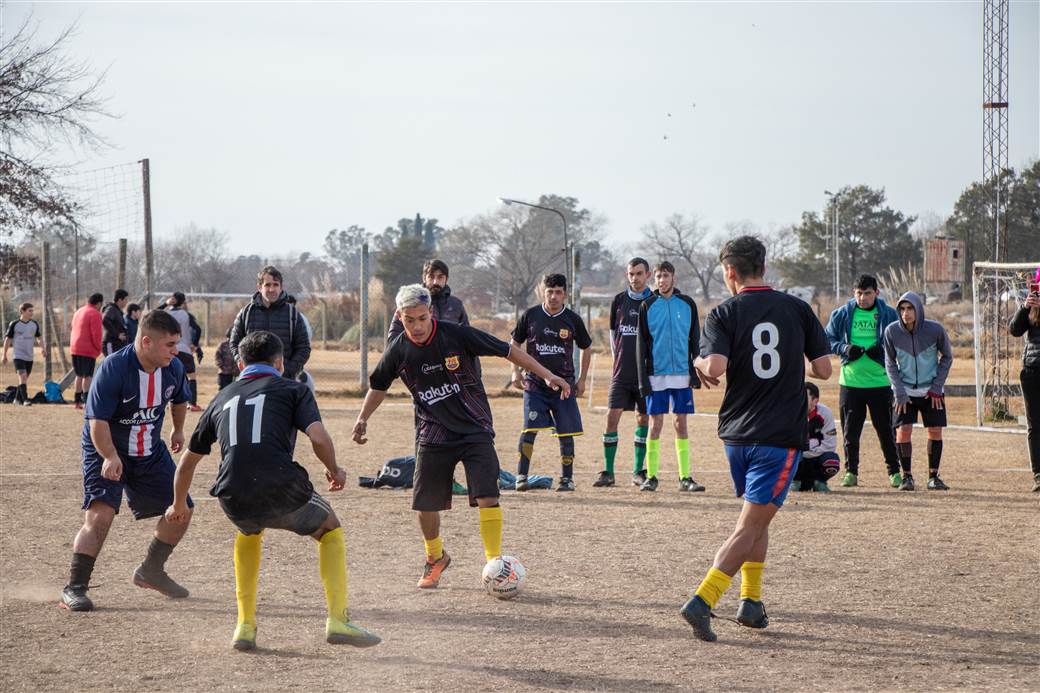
point(277, 122)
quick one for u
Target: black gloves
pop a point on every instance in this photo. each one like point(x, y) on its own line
point(854, 352)
point(876, 353)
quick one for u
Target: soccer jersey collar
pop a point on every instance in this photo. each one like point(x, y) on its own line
point(755, 288)
point(260, 370)
point(639, 297)
point(550, 314)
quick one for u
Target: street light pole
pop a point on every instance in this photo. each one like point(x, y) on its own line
point(837, 256)
point(566, 242)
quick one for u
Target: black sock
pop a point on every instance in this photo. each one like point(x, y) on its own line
point(934, 457)
point(158, 552)
point(905, 453)
point(194, 384)
point(81, 570)
point(78, 396)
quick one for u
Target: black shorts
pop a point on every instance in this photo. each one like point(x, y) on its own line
point(625, 397)
point(305, 520)
point(20, 365)
point(187, 360)
point(83, 366)
point(930, 417)
point(435, 470)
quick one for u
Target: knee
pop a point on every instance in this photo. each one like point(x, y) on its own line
point(935, 433)
point(487, 502)
point(642, 420)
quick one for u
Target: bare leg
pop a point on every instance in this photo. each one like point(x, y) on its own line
point(752, 528)
point(96, 523)
point(430, 524)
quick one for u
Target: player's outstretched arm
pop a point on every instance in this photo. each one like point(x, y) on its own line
point(519, 357)
point(820, 368)
point(7, 345)
point(372, 401)
point(518, 376)
point(178, 512)
point(101, 436)
point(710, 368)
point(321, 443)
point(178, 412)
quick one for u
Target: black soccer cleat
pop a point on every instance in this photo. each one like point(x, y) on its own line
point(936, 484)
point(752, 613)
point(639, 478)
point(160, 582)
point(74, 598)
point(565, 484)
point(1036, 483)
point(907, 483)
point(650, 484)
point(688, 485)
point(698, 614)
point(605, 479)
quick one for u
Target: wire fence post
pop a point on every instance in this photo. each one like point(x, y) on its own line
point(120, 266)
point(363, 319)
point(146, 185)
point(45, 288)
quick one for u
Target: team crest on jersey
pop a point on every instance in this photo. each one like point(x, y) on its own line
point(532, 415)
point(564, 333)
point(452, 363)
point(169, 392)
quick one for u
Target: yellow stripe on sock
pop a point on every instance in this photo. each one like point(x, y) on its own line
point(248, 548)
point(491, 531)
point(751, 580)
point(434, 548)
point(332, 565)
point(714, 585)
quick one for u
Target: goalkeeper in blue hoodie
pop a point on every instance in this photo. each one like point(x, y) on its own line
point(918, 359)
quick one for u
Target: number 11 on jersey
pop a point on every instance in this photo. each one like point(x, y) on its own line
point(258, 413)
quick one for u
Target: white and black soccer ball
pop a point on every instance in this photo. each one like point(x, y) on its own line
point(503, 577)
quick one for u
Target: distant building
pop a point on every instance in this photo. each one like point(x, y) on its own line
point(944, 268)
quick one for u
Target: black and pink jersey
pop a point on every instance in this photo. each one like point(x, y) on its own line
point(444, 378)
point(624, 333)
point(133, 402)
point(551, 340)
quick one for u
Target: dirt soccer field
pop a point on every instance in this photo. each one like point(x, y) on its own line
point(867, 588)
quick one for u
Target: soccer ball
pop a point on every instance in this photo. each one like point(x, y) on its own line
point(503, 577)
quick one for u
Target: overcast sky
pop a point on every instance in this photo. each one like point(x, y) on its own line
point(278, 122)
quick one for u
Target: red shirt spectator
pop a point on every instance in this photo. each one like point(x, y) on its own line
point(86, 331)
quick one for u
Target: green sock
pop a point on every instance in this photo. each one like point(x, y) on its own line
point(653, 456)
point(639, 448)
point(682, 453)
point(609, 450)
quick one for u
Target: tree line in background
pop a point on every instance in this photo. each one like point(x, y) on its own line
point(497, 257)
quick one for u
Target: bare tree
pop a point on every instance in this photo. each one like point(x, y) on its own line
point(689, 242)
point(46, 98)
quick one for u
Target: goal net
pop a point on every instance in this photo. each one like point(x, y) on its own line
point(998, 291)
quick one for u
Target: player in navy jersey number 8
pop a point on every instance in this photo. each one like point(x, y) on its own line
point(123, 451)
point(760, 339)
point(438, 364)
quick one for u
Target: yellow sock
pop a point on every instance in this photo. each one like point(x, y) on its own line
point(332, 564)
point(715, 583)
point(491, 531)
point(434, 548)
point(247, 572)
point(751, 580)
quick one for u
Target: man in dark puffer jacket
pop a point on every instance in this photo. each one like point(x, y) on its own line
point(269, 310)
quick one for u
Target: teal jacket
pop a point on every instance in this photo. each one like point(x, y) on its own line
point(669, 338)
point(918, 360)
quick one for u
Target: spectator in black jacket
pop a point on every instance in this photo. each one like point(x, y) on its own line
point(443, 306)
point(113, 329)
point(132, 317)
point(1027, 322)
point(270, 310)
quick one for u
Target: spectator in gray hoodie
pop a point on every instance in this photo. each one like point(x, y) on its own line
point(918, 359)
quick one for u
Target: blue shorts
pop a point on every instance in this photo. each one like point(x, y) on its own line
point(545, 411)
point(148, 482)
point(762, 473)
point(681, 399)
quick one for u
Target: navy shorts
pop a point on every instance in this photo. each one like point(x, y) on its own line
point(625, 397)
point(148, 482)
point(762, 473)
point(21, 365)
point(544, 411)
point(681, 399)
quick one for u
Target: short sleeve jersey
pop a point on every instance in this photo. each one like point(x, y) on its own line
point(444, 378)
point(133, 402)
point(551, 340)
point(253, 420)
point(23, 336)
point(624, 329)
point(766, 336)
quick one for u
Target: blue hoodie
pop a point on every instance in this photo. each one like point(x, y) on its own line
point(917, 362)
point(839, 327)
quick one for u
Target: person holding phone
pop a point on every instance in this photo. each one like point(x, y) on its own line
point(1027, 322)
